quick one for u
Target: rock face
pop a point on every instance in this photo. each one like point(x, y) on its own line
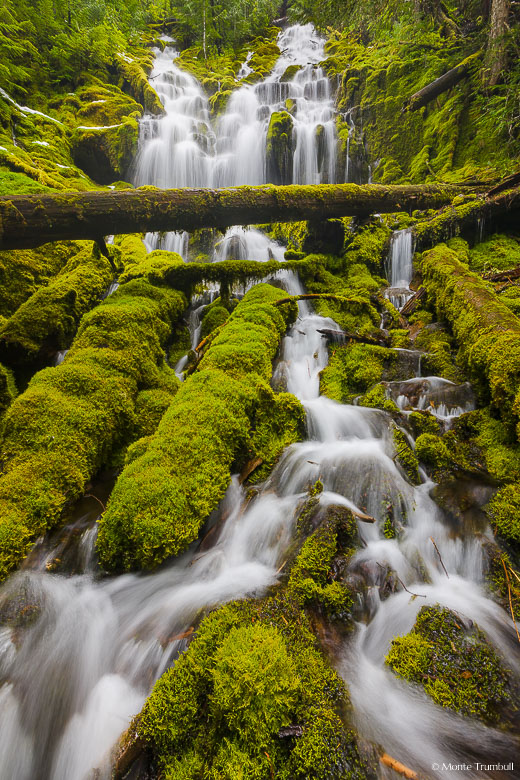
point(106, 153)
point(279, 152)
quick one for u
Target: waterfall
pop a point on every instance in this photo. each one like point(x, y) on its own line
point(400, 267)
point(79, 653)
point(184, 149)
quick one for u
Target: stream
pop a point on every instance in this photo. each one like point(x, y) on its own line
point(79, 652)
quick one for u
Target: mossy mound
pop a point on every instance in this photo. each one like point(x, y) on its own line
point(454, 663)
point(106, 153)
point(487, 331)
point(133, 78)
point(23, 271)
point(504, 513)
point(355, 369)
point(251, 697)
point(315, 578)
point(279, 149)
point(7, 389)
point(46, 322)
point(432, 451)
point(162, 498)
point(71, 419)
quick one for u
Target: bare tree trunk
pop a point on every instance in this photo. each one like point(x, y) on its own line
point(497, 51)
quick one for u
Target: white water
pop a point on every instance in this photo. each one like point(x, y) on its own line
point(401, 267)
point(185, 149)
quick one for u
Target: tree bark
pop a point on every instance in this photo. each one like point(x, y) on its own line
point(31, 220)
point(443, 83)
point(497, 51)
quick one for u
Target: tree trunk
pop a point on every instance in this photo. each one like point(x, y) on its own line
point(497, 51)
point(32, 220)
point(440, 85)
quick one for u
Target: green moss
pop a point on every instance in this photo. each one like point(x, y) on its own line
point(70, 420)
point(432, 451)
point(262, 654)
point(22, 271)
point(497, 253)
point(133, 250)
point(279, 421)
point(423, 422)
point(106, 153)
point(7, 389)
point(162, 498)
point(279, 149)
point(487, 331)
point(455, 665)
point(406, 457)
point(376, 399)
point(46, 322)
point(352, 370)
point(214, 316)
point(311, 581)
point(504, 512)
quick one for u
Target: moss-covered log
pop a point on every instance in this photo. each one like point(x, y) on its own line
point(70, 420)
point(468, 217)
point(224, 412)
point(443, 83)
point(46, 322)
point(31, 220)
point(486, 329)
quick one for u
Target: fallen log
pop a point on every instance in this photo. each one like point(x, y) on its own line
point(503, 276)
point(440, 85)
point(505, 184)
point(413, 302)
point(467, 219)
point(30, 220)
point(343, 335)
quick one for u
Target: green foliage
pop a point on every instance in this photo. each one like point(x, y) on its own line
point(498, 253)
point(455, 665)
point(252, 669)
point(214, 316)
point(423, 422)
point(163, 496)
point(69, 421)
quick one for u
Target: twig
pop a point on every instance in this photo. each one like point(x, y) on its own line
point(418, 595)
point(440, 557)
point(89, 495)
point(396, 765)
point(510, 599)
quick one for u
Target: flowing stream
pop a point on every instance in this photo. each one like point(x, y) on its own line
point(79, 653)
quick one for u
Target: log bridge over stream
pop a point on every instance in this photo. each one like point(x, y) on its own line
point(31, 220)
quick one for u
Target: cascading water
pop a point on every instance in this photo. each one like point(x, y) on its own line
point(78, 654)
point(182, 149)
point(400, 267)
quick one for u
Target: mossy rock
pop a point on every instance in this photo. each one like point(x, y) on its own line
point(279, 150)
point(432, 451)
point(262, 653)
point(106, 153)
point(451, 659)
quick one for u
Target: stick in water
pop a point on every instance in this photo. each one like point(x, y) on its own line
point(440, 557)
point(398, 767)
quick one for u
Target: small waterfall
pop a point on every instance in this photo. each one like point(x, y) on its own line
point(400, 267)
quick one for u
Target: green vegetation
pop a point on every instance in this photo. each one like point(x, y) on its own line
point(312, 581)
point(405, 456)
point(455, 664)
point(46, 322)
point(72, 418)
point(252, 670)
point(163, 496)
